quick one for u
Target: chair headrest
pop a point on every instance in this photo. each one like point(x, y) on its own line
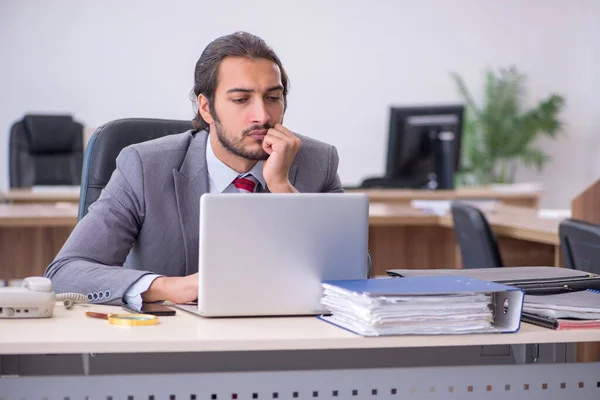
point(51, 133)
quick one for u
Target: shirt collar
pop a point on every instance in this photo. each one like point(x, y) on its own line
point(222, 175)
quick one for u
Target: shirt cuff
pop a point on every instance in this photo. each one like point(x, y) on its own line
point(133, 295)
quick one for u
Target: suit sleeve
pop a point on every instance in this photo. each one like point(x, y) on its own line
point(91, 261)
point(333, 183)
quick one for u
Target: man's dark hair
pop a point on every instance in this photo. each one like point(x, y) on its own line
point(239, 44)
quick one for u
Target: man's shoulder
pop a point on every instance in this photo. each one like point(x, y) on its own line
point(317, 164)
point(171, 143)
point(309, 143)
point(312, 142)
point(315, 153)
point(165, 153)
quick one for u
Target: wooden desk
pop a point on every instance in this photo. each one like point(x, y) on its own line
point(74, 356)
point(519, 223)
point(399, 237)
point(402, 196)
point(70, 331)
point(38, 215)
point(529, 198)
point(31, 235)
point(524, 238)
point(70, 195)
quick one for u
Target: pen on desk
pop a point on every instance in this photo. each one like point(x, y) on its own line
point(96, 315)
point(540, 320)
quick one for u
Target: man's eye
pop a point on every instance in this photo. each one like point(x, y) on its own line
point(239, 101)
point(274, 98)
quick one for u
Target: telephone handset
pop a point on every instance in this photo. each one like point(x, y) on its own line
point(34, 299)
point(38, 284)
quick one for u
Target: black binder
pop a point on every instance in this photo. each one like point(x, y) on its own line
point(533, 280)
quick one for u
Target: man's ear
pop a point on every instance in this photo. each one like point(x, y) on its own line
point(204, 109)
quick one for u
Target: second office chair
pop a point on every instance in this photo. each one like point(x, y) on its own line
point(580, 243)
point(478, 246)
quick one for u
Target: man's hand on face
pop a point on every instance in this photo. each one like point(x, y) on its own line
point(177, 289)
point(282, 146)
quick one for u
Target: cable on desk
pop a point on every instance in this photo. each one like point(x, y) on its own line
point(70, 299)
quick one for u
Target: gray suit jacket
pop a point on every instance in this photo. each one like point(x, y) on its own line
point(147, 217)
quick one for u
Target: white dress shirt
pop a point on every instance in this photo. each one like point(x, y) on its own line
point(220, 178)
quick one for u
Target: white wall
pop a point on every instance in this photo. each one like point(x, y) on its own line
point(347, 60)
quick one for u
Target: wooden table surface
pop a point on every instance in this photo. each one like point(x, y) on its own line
point(526, 198)
point(71, 332)
point(517, 222)
point(41, 195)
point(399, 237)
point(38, 215)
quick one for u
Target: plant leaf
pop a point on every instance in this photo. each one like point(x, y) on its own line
point(498, 132)
point(466, 95)
point(531, 157)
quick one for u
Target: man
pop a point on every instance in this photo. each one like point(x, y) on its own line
point(139, 240)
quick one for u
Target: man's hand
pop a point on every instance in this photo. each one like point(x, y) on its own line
point(177, 289)
point(282, 146)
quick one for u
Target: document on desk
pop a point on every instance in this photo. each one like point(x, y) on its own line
point(442, 207)
point(422, 306)
point(524, 187)
point(574, 310)
point(583, 304)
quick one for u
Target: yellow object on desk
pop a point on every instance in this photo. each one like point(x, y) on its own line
point(125, 319)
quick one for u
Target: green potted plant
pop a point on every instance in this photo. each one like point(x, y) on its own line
point(499, 134)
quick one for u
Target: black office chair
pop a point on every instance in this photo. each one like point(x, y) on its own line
point(106, 143)
point(580, 243)
point(477, 242)
point(45, 150)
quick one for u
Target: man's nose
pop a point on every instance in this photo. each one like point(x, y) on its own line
point(259, 114)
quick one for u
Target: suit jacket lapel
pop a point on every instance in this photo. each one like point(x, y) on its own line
point(191, 182)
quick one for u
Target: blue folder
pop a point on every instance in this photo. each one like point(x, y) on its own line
point(507, 301)
point(422, 285)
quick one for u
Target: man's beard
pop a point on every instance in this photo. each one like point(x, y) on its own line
point(236, 147)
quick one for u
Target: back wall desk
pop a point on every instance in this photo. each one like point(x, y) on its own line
point(399, 237)
point(41, 195)
point(524, 198)
point(529, 198)
point(31, 235)
point(188, 357)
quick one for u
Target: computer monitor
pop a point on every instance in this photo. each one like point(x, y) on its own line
point(424, 146)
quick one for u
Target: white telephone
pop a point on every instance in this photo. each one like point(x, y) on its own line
point(35, 299)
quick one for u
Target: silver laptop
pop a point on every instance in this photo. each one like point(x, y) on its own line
point(267, 254)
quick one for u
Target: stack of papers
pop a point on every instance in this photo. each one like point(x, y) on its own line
point(580, 305)
point(554, 213)
point(418, 306)
point(442, 207)
point(523, 187)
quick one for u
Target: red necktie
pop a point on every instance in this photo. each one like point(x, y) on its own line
point(245, 184)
